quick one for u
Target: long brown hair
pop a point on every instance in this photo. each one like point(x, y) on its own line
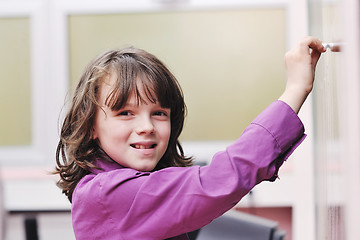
point(76, 148)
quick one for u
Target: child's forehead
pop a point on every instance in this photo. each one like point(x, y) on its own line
point(106, 84)
point(109, 80)
point(138, 83)
point(137, 91)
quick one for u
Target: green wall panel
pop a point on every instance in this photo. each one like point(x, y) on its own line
point(229, 63)
point(15, 93)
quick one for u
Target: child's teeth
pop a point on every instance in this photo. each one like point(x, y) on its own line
point(141, 147)
point(138, 146)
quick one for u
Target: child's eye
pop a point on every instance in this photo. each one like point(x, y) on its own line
point(124, 113)
point(160, 113)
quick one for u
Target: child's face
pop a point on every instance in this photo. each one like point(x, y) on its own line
point(137, 135)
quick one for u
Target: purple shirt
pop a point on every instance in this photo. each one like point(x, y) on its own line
point(122, 203)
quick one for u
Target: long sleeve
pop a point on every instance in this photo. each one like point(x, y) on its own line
point(126, 204)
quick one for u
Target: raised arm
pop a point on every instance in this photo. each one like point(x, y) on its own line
point(300, 65)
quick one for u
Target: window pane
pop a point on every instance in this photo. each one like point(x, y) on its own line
point(15, 120)
point(229, 63)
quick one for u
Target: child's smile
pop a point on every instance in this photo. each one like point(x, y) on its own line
point(145, 148)
point(143, 145)
point(137, 135)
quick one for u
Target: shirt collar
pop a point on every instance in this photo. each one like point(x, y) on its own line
point(104, 163)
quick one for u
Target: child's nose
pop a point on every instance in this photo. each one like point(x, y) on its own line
point(145, 126)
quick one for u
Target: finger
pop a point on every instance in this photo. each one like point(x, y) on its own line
point(312, 43)
point(317, 46)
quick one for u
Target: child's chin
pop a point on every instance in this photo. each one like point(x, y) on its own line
point(145, 168)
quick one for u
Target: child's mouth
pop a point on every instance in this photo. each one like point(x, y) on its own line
point(139, 146)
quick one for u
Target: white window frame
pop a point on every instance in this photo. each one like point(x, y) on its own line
point(37, 151)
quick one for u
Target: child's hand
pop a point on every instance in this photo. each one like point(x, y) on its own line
point(300, 65)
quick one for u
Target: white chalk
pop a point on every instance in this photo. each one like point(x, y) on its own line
point(334, 47)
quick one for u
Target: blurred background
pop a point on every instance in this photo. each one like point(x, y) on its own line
point(228, 58)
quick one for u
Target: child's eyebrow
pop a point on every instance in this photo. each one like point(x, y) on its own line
point(134, 105)
point(128, 104)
